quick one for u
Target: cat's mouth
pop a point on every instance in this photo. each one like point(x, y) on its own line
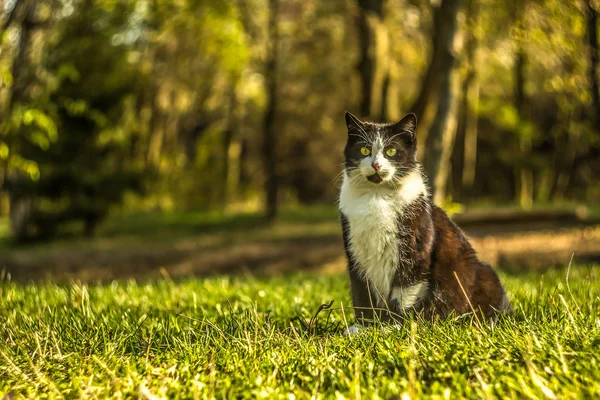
point(375, 178)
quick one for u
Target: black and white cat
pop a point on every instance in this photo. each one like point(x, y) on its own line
point(404, 254)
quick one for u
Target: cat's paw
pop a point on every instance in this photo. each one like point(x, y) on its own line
point(352, 330)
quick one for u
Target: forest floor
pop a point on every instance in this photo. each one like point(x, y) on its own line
point(203, 305)
point(203, 244)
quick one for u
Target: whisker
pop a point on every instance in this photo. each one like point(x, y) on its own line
point(338, 176)
point(362, 129)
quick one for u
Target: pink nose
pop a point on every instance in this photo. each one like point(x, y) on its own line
point(376, 166)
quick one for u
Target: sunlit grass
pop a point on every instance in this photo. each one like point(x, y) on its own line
point(232, 337)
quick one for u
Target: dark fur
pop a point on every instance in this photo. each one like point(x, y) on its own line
point(436, 250)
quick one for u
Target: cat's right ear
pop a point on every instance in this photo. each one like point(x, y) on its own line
point(408, 124)
point(406, 127)
point(353, 124)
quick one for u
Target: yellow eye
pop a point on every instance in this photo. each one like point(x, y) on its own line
point(365, 151)
point(391, 152)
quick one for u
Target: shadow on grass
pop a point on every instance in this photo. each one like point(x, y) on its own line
point(171, 225)
point(154, 246)
point(200, 244)
point(179, 224)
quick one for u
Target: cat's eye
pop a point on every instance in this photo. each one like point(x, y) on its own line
point(365, 151)
point(391, 152)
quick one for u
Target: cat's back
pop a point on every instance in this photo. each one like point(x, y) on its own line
point(460, 274)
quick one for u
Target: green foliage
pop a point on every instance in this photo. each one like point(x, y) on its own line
point(78, 176)
point(247, 337)
point(178, 88)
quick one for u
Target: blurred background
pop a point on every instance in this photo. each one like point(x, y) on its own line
point(176, 137)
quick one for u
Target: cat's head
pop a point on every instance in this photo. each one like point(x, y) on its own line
point(381, 154)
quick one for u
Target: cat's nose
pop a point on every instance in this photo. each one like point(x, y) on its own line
point(376, 166)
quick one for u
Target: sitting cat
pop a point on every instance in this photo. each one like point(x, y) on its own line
point(404, 253)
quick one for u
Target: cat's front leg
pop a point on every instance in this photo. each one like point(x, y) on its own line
point(361, 298)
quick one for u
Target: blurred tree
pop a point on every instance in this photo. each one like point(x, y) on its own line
point(592, 37)
point(235, 106)
point(425, 103)
point(464, 155)
point(27, 109)
point(523, 172)
point(192, 54)
point(23, 15)
point(270, 134)
point(373, 62)
point(470, 102)
point(316, 94)
point(85, 171)
point(590, 154)
point(440, 139)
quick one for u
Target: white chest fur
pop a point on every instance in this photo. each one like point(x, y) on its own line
point(373, 214)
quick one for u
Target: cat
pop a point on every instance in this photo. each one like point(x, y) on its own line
point(405, 256)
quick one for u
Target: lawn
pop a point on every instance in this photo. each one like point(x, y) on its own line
point(248, 337)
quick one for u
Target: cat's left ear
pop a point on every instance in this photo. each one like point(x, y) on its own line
point(353, 124)
point(408, 126)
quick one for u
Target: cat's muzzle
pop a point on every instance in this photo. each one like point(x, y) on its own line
point(375, 178)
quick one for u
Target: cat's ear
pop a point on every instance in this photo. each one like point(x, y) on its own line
point(407, 126)
point(354, 125)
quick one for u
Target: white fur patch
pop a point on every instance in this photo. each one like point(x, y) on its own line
point(372, 211)
point(409, 296)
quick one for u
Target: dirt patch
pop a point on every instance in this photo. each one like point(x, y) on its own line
point(177, 260)
point(205, 255)
point(540, 249)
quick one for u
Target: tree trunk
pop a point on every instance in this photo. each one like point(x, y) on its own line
point(373, 65)
point(223, 188)
point(545, 182)
point(18, 94)
point(385, 93)
point(593, 152)
point(568, 157)
point(270, 134)
point(428, 85)
point(155, 141)
point(230, 161)
point(234, 176)
point(440, 140)
point(525, 174)
point(592, 36)
point(426, 103)
point(471, 103)
point(20, 68)
point(391, 111)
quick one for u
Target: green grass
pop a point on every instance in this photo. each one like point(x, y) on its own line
point(233, 337)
